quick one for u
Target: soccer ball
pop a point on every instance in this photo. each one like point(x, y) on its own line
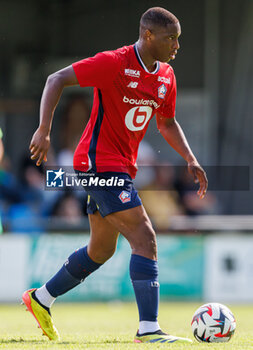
point(213, 323)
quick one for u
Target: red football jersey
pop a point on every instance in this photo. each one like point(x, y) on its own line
point(126, 97)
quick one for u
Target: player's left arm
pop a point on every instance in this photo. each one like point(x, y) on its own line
point(174, 135)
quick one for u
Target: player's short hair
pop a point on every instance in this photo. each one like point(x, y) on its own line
point(157, 16)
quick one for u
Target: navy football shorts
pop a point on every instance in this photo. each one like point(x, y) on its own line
point(109, 192)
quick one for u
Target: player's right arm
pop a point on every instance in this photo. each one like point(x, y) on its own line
point(95, 71)
point(55, 84)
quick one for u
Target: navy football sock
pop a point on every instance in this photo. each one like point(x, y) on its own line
point(144, 276)
point(78, 266)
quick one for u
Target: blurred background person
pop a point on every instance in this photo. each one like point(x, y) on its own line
point(185, 196)
point(74, 119)
point(160, 198)
point(68, 209)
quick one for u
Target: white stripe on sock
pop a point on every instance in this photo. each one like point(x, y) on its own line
point(44, 296)
point(148, 327)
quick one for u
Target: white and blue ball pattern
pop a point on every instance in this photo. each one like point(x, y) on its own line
point(213, 323)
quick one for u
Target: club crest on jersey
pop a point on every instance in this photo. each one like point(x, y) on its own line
point(125, 196)
point(162, 91)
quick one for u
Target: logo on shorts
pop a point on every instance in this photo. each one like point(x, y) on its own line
point(162, 91)
point(125, 196)
point(55, 178)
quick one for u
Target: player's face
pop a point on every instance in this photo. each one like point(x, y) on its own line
point(163, 43)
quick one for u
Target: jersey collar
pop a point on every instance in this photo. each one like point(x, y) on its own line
point(142, 64)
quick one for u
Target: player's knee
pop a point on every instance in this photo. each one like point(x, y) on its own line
point(101, 255)
point(145, 242)
point(150, 245)
point(108, 253)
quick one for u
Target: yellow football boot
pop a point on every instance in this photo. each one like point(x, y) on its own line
point(41, 315)
point(159, 337)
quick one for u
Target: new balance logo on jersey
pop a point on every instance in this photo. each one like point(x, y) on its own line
point(164, 80)
point(132, 84)
point(132, 72)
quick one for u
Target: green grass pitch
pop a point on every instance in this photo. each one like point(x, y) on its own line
point(112, 326)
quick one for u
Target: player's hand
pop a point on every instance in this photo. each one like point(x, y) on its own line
point(39, 145)
point(199, 176)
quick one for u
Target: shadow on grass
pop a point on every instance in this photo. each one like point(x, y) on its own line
point(21, 340)
point(61, 343)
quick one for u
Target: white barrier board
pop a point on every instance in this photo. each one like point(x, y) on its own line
point(14, 260)
point(228, 275)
